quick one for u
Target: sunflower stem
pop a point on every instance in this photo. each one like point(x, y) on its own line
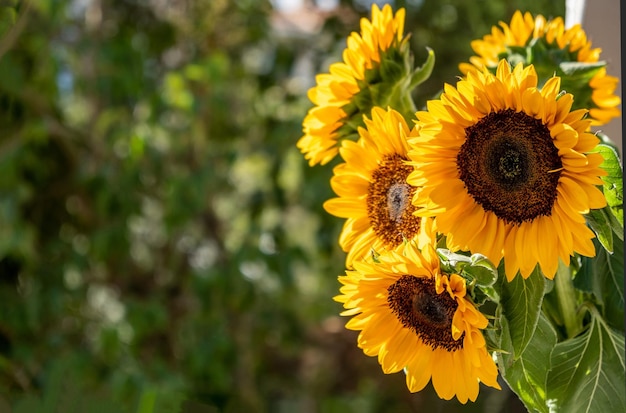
point(566, 296)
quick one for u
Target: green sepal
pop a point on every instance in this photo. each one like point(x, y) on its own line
point(422, 73)
point(547, 57)
point(387, 84)
point(575, 78)
point(476, 268)
point(550, 60)
point(391, 71)
point(396, 63)
point(480, 273)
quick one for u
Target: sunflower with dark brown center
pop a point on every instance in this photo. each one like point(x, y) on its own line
point(506, 168)
point(388, 202)
point(503, 164)
point(373, 194)
point(419, 308)
point(413, 317)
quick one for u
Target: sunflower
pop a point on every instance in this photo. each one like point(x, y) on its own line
point(414, 317)
point(373, 194)
point(551, 47)
point(506, 169)
point(335, 93)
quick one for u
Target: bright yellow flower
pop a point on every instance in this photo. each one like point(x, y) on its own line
point(335, 92)
point(551, 45)
point(414, 317)
point(373, 194)
point(506, 169)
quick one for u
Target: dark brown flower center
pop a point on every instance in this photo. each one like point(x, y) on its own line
point(389, 205)
point(510, 166)
point(420, 309)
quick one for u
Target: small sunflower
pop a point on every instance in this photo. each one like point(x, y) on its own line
point(336, 93)
point(414, 317)
point(507, 170)
point(551, 48)
point(373, 194)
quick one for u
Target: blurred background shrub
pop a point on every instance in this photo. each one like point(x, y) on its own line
point(162, 242)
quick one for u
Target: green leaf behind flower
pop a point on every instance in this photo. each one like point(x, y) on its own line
point(581, 71)
point(604, 224)
point(520, 306)
point(603, 276)
point(587, 372)
point(613, 187)
point(527, 375)
point(422, 73)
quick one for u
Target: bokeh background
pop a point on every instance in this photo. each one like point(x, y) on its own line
point(163, 246)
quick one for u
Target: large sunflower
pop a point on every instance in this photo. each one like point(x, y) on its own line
point(505, 166)
point(548, 45)
point(334, 94)
point(416, 318)
point(373, 194)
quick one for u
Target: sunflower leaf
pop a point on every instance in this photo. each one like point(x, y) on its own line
point(603, 276)
point(520, 305)
point(581, 71)
point(613, 185)
point(599, 220)
point(483, 270)
point(527, 375)
point(588, 371)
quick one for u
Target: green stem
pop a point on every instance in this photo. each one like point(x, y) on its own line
point(566, 296)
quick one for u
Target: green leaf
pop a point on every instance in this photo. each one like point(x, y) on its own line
point(520, 305)
point(581, 70)
point(588, 371)
point(147, 401)
point(613, 184)
point(482, 270)
point(527, 375)
point(599, 220)
point(421, 74)
point(603, 276)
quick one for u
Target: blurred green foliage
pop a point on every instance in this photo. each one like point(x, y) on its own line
point(162, 242)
